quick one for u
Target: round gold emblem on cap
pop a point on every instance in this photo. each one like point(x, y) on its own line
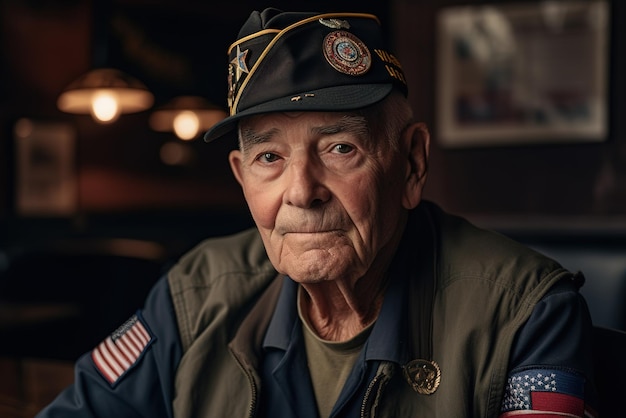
point(346, 53)
point(424, 376)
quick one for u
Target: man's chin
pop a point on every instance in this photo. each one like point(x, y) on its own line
point(317, 269)
point(307, 280)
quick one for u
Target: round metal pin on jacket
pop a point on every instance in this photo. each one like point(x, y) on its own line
point(423, 376)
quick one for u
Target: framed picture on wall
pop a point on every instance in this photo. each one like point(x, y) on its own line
point(46, 184)
point(522, 73)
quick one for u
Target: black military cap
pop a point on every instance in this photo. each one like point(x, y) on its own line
point(292, 61)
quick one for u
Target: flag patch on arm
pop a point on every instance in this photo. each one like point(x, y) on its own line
point(545, 393)
point(121, 350)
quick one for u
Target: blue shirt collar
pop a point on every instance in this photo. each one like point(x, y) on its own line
point(388, 338)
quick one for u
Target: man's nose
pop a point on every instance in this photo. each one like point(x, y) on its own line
point(305, 179)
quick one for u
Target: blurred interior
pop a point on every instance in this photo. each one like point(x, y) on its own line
point(87, 225)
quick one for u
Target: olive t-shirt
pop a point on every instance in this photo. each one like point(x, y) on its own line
point(330, 364)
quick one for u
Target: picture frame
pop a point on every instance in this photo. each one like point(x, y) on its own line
point(522, 73)
point(46, 179)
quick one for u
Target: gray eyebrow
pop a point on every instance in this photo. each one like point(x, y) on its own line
point(248, 137)
point(352, 124)
point(356, 125)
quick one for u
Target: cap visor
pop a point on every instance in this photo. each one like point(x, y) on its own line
point(331, 99)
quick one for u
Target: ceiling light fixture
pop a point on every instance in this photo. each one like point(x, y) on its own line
point(186, 116)
point(105, 93)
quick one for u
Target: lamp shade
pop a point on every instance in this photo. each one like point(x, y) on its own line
point(186, 116)
point(105, 93)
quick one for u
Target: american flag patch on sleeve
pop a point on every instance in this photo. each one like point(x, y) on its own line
point(121, 350)
point(545, 393)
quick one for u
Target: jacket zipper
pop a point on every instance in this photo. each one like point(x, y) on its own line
point(253, 388)
point(376, 385)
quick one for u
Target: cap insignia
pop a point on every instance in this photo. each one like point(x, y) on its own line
point(231, 86)
point(236, 67)
point(335, 23)
point(239, 62)
point(346, 53)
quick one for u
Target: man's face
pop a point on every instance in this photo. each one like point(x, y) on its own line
point(327, 200)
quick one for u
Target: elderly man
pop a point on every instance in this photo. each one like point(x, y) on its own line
point(352, 297)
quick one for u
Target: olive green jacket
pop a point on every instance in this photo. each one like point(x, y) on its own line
point(483, 288)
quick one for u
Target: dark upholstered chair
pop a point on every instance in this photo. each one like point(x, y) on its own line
point(610, 368)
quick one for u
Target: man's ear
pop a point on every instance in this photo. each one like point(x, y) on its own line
point(236, 162)
point(418, 139)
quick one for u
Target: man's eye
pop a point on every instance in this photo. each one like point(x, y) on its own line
point(343, 148)
point(267, 157)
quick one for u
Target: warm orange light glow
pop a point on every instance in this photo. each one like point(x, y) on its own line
point(176, 153)
point(186, 116)
point(105, 94)
point(186, 125)
point(104, 106)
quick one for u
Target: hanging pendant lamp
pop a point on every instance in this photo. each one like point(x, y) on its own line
point(105, 93)
point(186, 116)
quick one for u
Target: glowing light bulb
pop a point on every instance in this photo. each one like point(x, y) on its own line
point(186, 125)
point(104, 107)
